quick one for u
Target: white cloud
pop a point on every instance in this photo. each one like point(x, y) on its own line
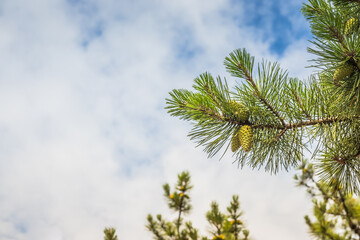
point(86, 142)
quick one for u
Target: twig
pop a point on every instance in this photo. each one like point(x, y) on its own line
point(328, 120)
point(353, 226)
point(258, 93)
point(219, 117)
point(298, 99)
point(335, 33)
point(345, 159)
point(179, 217)
point(279, 135)
point(214, 98)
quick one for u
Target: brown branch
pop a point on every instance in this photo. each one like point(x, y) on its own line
point(216, 115)
point(328, 120)
point(298, 99)
point(258, 94)
point(335, 33)
point(213, 114)
point(207, 111)
point(214, 98)
point(339, 160)
point(345, 159)
point(179, 217)
point(219, 117)
point(353, 226)
point(279, 135)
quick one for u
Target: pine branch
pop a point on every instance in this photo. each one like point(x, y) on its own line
point(153, 227)
point(347, 158)
point(282, 132)
point(211, 113)
point(212, 95)
point(178, 222)
point(268, 105)
point(337, 36)
point(353, 226)
point(220, 118)
point(238, 65)
point(298, 99)
point(328, 120)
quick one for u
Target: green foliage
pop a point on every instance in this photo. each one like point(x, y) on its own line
point(224, 225)
point(287, 116)
point(227, 226)
point(179, 199)
point(110, 234)
point(336, 213)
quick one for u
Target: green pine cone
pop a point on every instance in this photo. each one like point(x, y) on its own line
point(350, 25)
point(241, 112)
point(343, 72)
point(246, 137)
point(235, 142)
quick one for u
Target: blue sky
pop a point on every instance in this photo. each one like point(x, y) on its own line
point(86, 142)
point(278, 21)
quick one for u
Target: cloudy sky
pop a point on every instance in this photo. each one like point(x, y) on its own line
point(85, 140)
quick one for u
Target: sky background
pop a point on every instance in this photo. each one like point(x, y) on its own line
point(85, 140)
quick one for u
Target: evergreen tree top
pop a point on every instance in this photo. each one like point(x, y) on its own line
point(223, 225)
point(110, 234)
